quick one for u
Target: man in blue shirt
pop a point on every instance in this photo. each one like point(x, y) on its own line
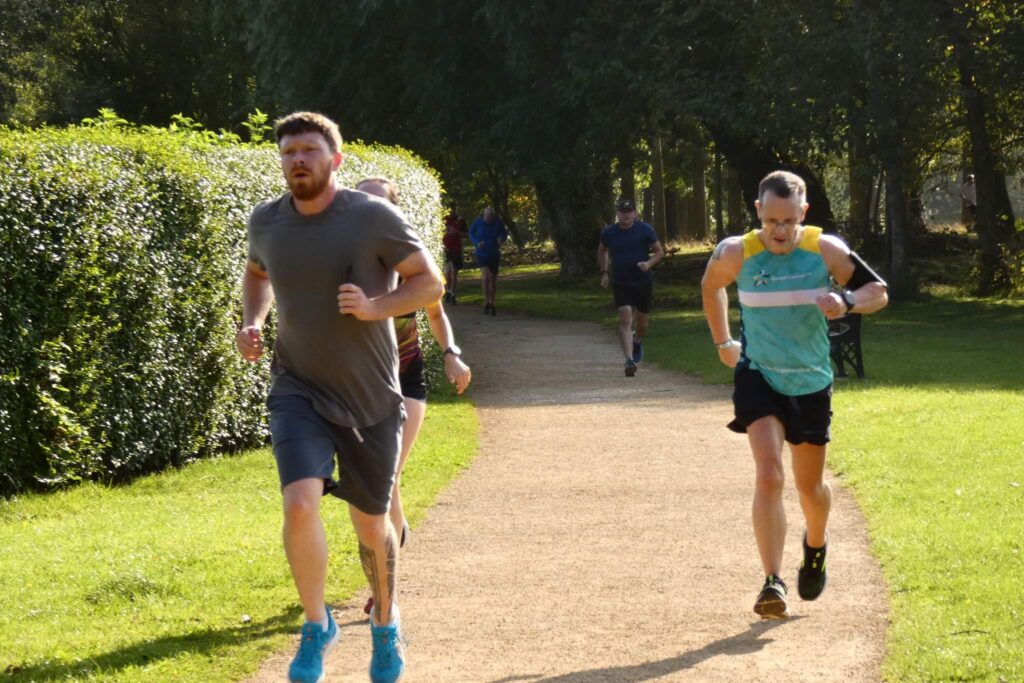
point(487, 235)
point(630, 243)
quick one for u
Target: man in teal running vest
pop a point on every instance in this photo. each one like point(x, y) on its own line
point(783, 378)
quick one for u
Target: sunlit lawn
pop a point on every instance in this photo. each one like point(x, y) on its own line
point(180, 576)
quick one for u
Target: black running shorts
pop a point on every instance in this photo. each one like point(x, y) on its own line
point(412, 381)
point(306, 443)
point(637, 296)
point(807, 418)
point(454, 258)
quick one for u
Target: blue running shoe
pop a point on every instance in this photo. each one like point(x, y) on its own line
point(388, 662)
point(638, 351)
point(308, 665)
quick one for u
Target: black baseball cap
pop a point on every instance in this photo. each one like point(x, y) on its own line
point(625, 204)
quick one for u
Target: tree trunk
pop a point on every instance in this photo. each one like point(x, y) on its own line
point(574, 204)
point(627, 180)
point(994, 220)
point(700, 196)
point(753, 162)
point(673, 225)
point(719, 214)
point(648, 213)
point(861, 179)
point(896, 219)
point(658, 189)
point(738, 218)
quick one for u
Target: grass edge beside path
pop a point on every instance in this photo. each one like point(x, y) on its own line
point(930, 445)
point(181, 575)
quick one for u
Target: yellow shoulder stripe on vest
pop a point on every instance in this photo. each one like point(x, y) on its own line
point(809, 241)
point(751, 245)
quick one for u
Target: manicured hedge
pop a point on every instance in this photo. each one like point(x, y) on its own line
point(121, 253)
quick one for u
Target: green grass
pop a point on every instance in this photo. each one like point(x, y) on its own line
point(932, 445)
point(180, 576)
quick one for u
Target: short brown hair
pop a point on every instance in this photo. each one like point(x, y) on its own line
point(782, 184)
point(300, 122)
point(388, 183)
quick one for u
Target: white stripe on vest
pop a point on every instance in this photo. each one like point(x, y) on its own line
point(796, 297)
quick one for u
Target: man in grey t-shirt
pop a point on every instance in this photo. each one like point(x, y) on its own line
point(331, 259)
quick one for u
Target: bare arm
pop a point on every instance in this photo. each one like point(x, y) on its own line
point(257, 296)
point(440, 326)
point(659, 253)
point(722, 270)
point(602, 264)
point(420, 287)
point(869, 298)
point(457, 372)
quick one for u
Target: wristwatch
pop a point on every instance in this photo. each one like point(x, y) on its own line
point(727, 344)
point(453, 350)
point(849, 299)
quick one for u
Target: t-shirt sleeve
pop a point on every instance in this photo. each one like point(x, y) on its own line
point(652, 237)
point(604, 237)
point(397, 239)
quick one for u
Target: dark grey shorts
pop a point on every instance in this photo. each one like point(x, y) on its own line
point(305, 445)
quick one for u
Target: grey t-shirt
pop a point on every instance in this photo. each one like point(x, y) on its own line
point(348, 368)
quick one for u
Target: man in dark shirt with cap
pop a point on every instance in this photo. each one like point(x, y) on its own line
point(630, 243)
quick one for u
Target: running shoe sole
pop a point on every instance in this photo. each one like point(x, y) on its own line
point(771, 608)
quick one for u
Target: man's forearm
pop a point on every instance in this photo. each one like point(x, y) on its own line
point(440, 327)
point(257, 295)
point(716, 311)
point(415, 292)
point(870, 298)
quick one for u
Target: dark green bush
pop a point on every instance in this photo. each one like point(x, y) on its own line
point(121, 253)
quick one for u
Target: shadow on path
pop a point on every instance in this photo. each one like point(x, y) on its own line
point(744, 643)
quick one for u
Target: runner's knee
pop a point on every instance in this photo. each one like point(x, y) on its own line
point(301, 506)
point(371, 530)
point(770, 479)
point(812, 487)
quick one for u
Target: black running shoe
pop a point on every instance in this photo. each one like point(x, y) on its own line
point(494, 311)
point(638, 351)
point(771, 601)
point(811, 578)
point(630, 368)
point(487, 309)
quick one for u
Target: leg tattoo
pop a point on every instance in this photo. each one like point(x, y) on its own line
point(369, 560)
point(380, 583)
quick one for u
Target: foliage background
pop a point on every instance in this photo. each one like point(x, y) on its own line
point(121, 253)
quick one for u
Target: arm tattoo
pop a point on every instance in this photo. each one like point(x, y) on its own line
point(719, 250)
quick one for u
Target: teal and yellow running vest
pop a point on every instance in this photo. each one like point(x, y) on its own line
point(784, 333)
